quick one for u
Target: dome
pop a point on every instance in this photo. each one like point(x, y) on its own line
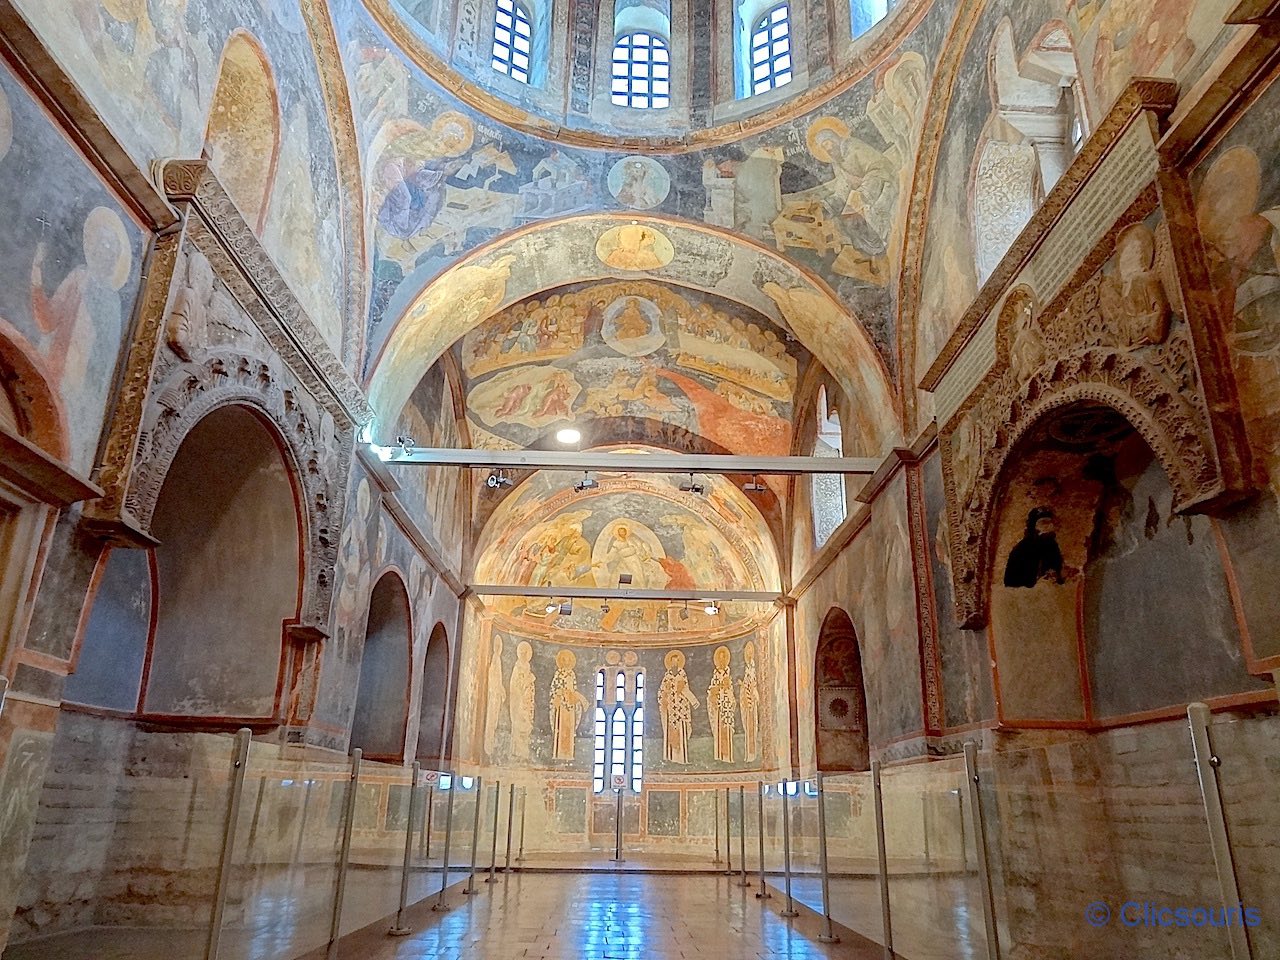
point(677, 73)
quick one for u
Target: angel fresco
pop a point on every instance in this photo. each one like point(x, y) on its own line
point(676, 704)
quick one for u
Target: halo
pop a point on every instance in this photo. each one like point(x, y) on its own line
point(103, 219)
point(674, 660)
point(565, 660)
point(835, 125)
point(455, 132)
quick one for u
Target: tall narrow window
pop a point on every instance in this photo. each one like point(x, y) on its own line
point(512, 40)
point(618, 731)
point(598, 746)
point(771, 50)
point(637, 737)
point(865, 14)
point(829, 504)
point(641, 71)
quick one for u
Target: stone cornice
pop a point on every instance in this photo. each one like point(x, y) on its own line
point(284, 323)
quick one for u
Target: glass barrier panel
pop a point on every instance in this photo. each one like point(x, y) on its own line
point(852, 862)
point(425, 874)
point(933, 893)
point(806, 875)
point(1249, 783)
point(1083, 835)
point(284, 864)
point(379, 827)
point(774, 853)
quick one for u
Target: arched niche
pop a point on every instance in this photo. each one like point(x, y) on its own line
point(841, 737)
point(435, 697)
point(242, 140)
point(382, 701)
point(1104, 603)
point(228, 571)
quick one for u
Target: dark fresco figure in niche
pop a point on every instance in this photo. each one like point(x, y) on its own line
point(1037, 555)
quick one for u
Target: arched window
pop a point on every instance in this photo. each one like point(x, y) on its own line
point(829, 504)
point(865, 14)
point(513, 40)
point(771, 49)
point(641, 71)
point(619, 734)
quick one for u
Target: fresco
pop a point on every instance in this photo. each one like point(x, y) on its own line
point(436, 496)
point(151, 68)
point(1100, 43)
point(73, 270)
point(700, 713)
point(562, 253)
point(641, 532)
point(636, 349)
point(1238, 211)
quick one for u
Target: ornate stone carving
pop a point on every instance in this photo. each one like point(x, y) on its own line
point(1141, 364)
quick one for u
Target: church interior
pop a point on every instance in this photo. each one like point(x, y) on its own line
point(640, 478)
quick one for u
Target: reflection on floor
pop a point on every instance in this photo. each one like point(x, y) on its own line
point(595, 916)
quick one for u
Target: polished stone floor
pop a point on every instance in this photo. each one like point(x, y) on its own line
point(598, 916)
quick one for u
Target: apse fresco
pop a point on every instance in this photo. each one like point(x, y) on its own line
point(151, 67)
point(536, 696)
point(72, 270)
point(633, 349)
point(640, 531)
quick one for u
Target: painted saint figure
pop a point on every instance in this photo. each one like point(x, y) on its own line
point(520, 701)
point(496, 697)
point(722, 706)
point(567, 706)
point(749, 701)
point(676, 704)
point(1037, 555)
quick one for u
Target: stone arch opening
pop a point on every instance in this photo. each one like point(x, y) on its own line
point(1095, 579)
point(435, 697)
point(842, 737)
point(382, 701)
point(242, 140)
point(229, 572)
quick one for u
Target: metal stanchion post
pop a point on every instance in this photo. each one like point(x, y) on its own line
point(424, 839)
point(763, 893)
point(617, 830)
point(1207, 764)
point(475, 838)
point(742, 835)
point(493, 851)
point(716, 797)
point(448, 837)
point(828, 934)
point(524, 803)
point(886, 918)
point(511, 812)
point(728, 835)
point(398, 929)
point(340, 889)
point(980, 843)
point(791, 910)
point(235, 789)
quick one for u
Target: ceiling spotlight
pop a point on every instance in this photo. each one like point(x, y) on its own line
point(692, 486)
point(587, 482)
point(712, 608)
point(568, 436)
point(497, 480)
point(754, 486)
point(406, 444)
